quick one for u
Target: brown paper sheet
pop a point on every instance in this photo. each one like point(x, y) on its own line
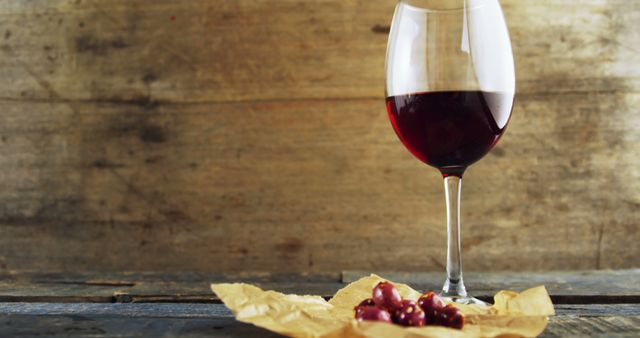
point(514, 314)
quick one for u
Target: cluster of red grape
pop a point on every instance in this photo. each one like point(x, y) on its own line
point(387, 305)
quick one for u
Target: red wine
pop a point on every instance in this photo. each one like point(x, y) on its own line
point(450, 130)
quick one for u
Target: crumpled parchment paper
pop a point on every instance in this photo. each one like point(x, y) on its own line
point(514, 314)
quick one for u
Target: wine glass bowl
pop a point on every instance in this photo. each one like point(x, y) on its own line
point(450, 86)
point(449, 130)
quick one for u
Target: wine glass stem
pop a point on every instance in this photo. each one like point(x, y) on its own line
point(454, 286)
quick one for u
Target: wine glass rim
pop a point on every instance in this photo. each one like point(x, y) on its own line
point(436, 10)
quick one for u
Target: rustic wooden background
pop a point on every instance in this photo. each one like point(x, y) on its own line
point(251, 135)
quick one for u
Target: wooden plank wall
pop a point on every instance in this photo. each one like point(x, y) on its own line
point(251, 135)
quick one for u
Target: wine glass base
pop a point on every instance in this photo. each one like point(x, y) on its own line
point(466, 300)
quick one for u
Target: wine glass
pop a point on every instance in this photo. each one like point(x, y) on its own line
point(450, 89)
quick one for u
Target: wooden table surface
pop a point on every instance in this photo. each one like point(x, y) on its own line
point(588, 303)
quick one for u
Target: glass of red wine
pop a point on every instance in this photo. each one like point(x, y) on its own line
point(450, 91)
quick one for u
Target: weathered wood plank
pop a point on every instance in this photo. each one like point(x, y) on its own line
point(55, 326)
point(591, 286)
point(105, 326)
point(148, 287)
point(598, 310)
point(250, 135)
point(212, 320)
point(201, 292)
point(584, 287)
point(219, 311)
point(179, 187)
point(210, 311)
point(54, 292)
point(247, 50)
point(143, 292)
point(571, 326)
point(131, 278)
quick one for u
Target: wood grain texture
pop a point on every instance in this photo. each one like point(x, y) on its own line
point(246, 50)
point(28, 317)
point(211, 311)
point(251, 135)
point(573, 287)
point(213, 320)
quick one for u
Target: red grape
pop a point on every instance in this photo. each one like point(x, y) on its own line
point(372, 313)
point(431, 303)
point(396, 313)
point(386, 296)
point(387, 305)
point(406, 302)
point(457, 321)
point(450, 316)
point(367, 302)
point(410, 315)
